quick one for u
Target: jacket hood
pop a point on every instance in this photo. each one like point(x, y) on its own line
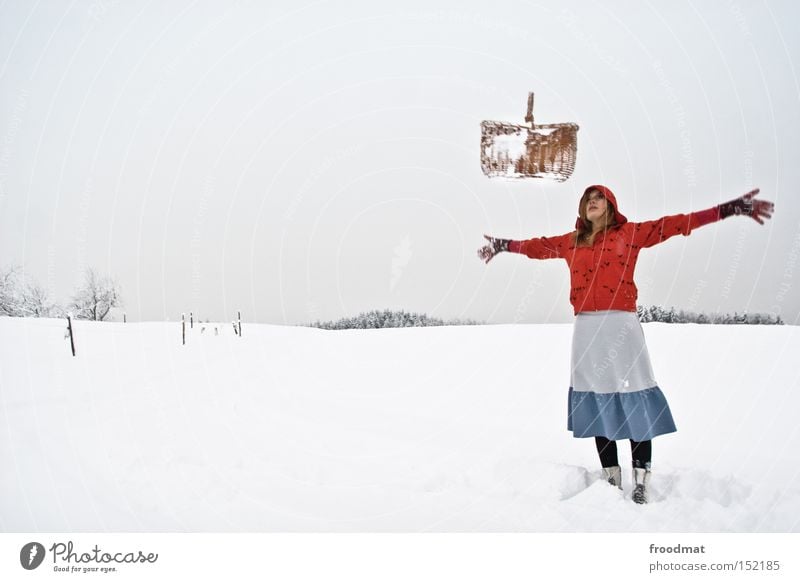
point(609, 196)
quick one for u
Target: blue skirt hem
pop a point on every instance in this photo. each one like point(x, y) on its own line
point(640, 415)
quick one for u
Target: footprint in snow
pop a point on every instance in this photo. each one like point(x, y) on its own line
point(532, 477)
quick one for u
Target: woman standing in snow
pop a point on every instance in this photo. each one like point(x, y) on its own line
point(613, 393)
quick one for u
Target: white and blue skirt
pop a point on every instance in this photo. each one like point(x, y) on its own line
point(613, 392)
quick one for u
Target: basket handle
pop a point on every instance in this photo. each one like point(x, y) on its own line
point(529, 116)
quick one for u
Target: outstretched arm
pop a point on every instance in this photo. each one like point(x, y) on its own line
point(535, 248)
point(647, 234)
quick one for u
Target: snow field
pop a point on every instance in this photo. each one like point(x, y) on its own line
point(416, 429)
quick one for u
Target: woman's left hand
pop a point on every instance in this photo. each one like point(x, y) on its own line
point(758, 210)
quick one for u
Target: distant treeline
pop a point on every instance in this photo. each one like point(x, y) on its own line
point(387, 318)
point(663, 315)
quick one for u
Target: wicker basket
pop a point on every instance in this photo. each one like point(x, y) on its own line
point(528, 151)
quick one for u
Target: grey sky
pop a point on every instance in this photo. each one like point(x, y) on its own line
point(312, 160)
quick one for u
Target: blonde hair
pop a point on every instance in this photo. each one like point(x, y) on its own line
point(584, 236)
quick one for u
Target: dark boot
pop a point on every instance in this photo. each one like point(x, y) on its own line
point(613, 475)
point(641, 480)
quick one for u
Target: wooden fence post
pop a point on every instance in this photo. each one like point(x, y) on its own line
point(183, 327)
point(191, 320)
point(239, 314)
point(71, 337)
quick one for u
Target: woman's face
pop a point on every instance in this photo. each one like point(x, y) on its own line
point(596, 206)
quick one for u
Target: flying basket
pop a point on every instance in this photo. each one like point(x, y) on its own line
point(528, 151)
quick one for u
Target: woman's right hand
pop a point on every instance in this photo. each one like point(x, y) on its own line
point(496, 245)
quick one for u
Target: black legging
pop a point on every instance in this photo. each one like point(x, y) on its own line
point(642, 452)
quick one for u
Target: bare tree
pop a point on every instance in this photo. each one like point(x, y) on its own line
point(21, 296)
point(95, 298)
point(10, 296)
point(38, 303)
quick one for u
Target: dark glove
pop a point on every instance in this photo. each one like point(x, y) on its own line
point(496, 245)
point(747, 205)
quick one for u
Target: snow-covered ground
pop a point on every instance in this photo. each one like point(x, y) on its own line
point(419, 429)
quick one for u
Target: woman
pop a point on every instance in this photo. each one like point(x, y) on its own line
point(613, 393)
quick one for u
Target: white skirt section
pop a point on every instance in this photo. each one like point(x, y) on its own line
point(613, 391)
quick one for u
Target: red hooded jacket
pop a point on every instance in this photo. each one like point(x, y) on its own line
point(601, 276)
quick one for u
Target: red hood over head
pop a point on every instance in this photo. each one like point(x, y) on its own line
point(609, 196)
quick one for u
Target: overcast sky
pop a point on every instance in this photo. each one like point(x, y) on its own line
point(311, 160)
